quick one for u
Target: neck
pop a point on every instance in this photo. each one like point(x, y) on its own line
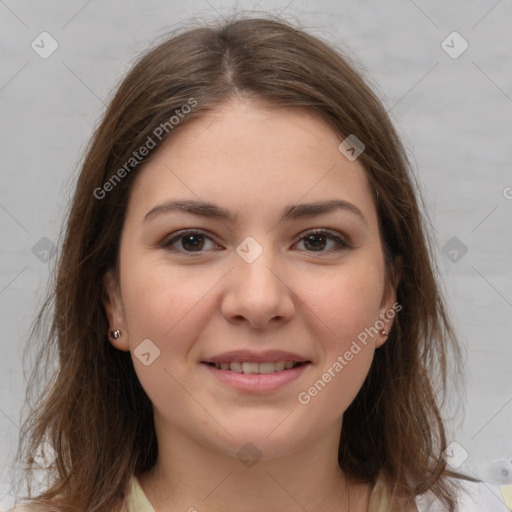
point(191, 476)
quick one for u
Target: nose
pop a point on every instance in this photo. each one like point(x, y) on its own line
point(258, 292)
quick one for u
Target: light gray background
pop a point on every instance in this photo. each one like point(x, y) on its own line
point(454, 115)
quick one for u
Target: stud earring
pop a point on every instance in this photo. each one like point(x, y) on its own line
point(115, 334)
point(384, 333)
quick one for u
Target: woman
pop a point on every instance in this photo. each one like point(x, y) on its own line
point(246, 310)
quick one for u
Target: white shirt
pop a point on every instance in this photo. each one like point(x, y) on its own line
point(473, 497)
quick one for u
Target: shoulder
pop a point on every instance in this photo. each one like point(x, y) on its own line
point(472, 497)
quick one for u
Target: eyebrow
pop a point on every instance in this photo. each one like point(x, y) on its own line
point(291, 212)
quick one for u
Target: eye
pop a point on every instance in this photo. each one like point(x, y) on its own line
point(194, 241)
point(191, 241)
point(317, 240)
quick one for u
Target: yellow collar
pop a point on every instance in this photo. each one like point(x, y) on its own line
point(379, 501)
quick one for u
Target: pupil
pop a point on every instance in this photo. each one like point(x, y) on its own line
point(309, 239)
point(190, 239)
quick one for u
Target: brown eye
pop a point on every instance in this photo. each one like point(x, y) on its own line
point(192, 242)
point(318, 240)
point(315, 242)
point(187, 242)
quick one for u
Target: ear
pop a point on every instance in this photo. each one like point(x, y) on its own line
point(389, 306)
point(114, 310)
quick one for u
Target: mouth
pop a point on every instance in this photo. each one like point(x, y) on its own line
point(255, 368)
point(256, 378)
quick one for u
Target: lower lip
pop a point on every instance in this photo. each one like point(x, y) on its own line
point(257, 383)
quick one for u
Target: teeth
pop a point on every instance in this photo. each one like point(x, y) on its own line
point(265, 368)
point(279, 366)
point(250, 367)
point(235, 367)
point(256, 368)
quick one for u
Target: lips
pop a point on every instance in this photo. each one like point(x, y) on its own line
point(256, 372)
point(256, 383)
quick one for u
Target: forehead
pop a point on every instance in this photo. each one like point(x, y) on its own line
point(252, 158)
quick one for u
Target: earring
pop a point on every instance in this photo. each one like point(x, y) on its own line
point(115, 334)
point(384, 333)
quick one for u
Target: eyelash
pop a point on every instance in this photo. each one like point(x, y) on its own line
point(168, 242)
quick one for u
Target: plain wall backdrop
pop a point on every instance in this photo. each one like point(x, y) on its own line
point(449, 95)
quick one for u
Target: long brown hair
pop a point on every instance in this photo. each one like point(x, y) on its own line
point(93, 410)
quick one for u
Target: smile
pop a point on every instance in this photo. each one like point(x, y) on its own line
point(255, 368)
point(256, 378)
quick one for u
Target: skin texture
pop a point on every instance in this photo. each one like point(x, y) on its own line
point(254, 162)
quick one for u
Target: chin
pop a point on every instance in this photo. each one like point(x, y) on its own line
point(262, 440)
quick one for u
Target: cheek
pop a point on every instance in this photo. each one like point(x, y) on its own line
point(172, 308)
point(169, 309)
point(347, 302)
point(347, 308)
point(159, 300)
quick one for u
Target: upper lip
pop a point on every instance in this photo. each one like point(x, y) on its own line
point(249, 356)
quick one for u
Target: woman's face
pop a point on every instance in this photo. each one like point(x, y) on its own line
point(241, 288)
